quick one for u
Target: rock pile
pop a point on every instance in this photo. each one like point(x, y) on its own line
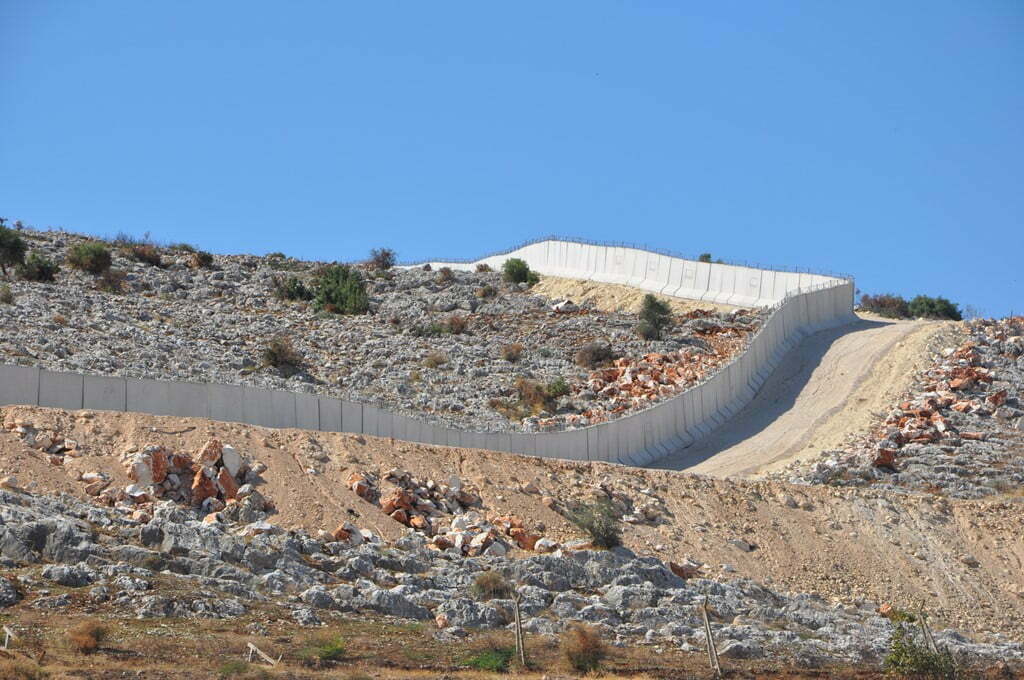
point(957, 432)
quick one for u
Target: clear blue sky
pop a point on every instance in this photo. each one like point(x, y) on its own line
point(883, 139)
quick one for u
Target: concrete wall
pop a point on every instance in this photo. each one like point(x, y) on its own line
point(800, 304)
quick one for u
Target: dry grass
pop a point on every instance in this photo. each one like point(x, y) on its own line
point(583, 648)
point(20, 669)
point(490, 585)
point(457, 325)
point(435, 360)
point(512, 353)
point(85, 638)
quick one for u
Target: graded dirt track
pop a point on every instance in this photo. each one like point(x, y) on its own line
point(824, 391)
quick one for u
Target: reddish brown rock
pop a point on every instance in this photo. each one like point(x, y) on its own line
point(997, 398)
point(684, 571)
point(341, 533)
point(400, 516)
point(210, 453)
point(202, 487)
point(159, 462)
point(227, 484)
point(885, 458)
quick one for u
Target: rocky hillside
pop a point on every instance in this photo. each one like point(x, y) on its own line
point(446, 346)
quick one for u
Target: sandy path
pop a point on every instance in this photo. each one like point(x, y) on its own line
point(823, 392)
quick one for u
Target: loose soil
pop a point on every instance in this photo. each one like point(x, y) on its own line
point(611, 297)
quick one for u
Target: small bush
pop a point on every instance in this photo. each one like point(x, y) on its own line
point(704, 257)
point(487, 291)
point(427, 267)
point(885, 304)
point(557, 388)
point(494, 659)
point(583, 648)
point(200, 259)
point(322, 648)
point(38, 267)
point(6, 296)
point(533, 397)
point(112, 281)
point(646, 331)
point(290, 288)
point(445, 275)
point(483, 268)
point(911, 658)
point(276, 256)
point(182, 247)
point(489, 585)
point(92, 257)
point(85, 638)
point(512, 353)
point(382, 258)
point(598, 520)
point(18, 669)
point(281, 354)
point(12, 249)
point(435, 359)
point(457, 324)
point(934, 308)
point(431, 330)
point(230, 669)
point(593, 354)
point(340, 290)
point(655, 316)
point(516, 270)
point(146, 253)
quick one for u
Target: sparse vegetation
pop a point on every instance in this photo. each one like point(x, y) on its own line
point(516, 270)
point(655, 316)
point(489, 585)
point(200, 259)
point(39, 268)
point(340, 289)
point(583, 648)
point(111, 281)
point(483, 267)
point(598, 520)
point(92, 257)
point(85, 638)
point(922, 306)
point(322, 648)
point(593, 354)
point(20, 669)
point(704, 257)
point(12, 249)
point(885, 304)
point(382, 258)
point(282, 355)
point(445, 275)
point(494, 658)
point(910, 657)
point(456, 324)
point(6, 296)
point(435, 360)
point(512, 352)
point(290, 288)
point(557, 388)
point(486, 291)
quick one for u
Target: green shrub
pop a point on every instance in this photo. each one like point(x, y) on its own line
point(489, 585)
point(38, 267)
point(290, 288)
point(934, 308)
point(885, 304)
point(432, 330)
point(6, 296)
point(583, 648)
point(516, 270)
point(704, 257)
point(382, 258)
point(92, 257)
point(494, 659)
point(598, 520)
point(910, 657)
point(321, 648)
point(593, 354)
point(339, 289)
point(12, 249)
point(557, 388)
point(655, 316)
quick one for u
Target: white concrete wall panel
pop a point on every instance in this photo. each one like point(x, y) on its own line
point(61, 390)
point(105, 393)
point(636, 267)
point(330, 415)
point(19, 385)
point(224, 403)
point(150, 396)
point(352, 416)
point(307, 411)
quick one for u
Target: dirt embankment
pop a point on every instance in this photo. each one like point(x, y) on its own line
point(610, 297)
point(963, 559)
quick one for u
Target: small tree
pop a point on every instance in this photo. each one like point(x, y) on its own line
point(934, 308)
point(704, 257)
point(382, 258)
point(12, 249)
point(516, 270)
point(655, 316)
point(598, 520)
point(340, 290)
point(37, 267)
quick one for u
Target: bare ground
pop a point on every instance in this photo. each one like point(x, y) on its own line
point(841, 543)
point(610, 297)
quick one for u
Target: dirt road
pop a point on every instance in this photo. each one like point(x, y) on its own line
point(822, 392)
